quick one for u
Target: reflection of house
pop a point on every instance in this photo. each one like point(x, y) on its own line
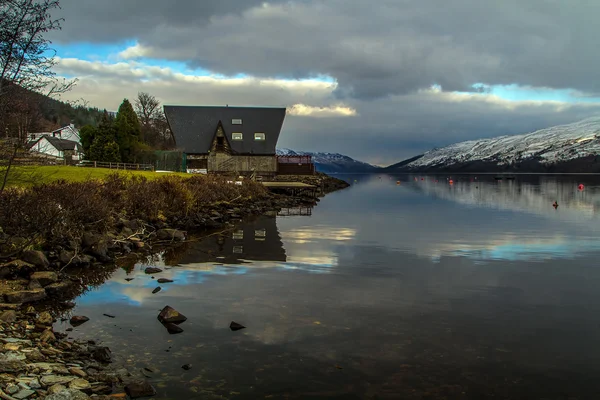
point(49, 146)
point(227, 139)
point(257, 240)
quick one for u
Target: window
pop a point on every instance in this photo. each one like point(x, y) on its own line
point(259, 136)
point(238, 249)
point(238, 235)
point(237, 136)
point(236, 121)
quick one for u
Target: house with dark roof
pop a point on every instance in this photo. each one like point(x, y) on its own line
point(50, 146)
point(68, 132)
point(226, 139)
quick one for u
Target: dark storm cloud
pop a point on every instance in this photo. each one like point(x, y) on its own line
point(373, 49)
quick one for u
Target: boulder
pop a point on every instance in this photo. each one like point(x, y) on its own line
point(79, 384)
point(25, 296)
point(139, 389)
point(90, 239)
point(12, 362)
point(36, 258)
point(158, 289)
point(169, 314)
point(57, 288)
point(45, 278)
point(50, 380)
point(152, 270)
point(164, 280)
point(100, 251)
point(170, 234)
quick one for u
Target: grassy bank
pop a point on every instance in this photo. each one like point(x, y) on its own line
point(31, 175)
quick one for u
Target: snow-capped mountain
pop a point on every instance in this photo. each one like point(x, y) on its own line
point(564, 148)
point(331, 162)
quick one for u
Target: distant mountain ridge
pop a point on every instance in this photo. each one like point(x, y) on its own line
point(332, 162)
point(565, 148)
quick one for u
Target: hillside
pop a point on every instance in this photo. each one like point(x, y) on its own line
point(565, 148)
point(332, 162)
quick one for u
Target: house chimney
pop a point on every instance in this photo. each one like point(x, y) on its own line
point(72, 125)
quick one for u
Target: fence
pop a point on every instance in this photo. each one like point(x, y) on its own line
point(115, 165)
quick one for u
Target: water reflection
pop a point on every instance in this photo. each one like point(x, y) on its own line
point(386, 290)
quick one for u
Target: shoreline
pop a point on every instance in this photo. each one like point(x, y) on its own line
point(37, 287)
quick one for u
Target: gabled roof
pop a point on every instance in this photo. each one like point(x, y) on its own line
point(58, 144)
point(194, 127)
point(68, 127)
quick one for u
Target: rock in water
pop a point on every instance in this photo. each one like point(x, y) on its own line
point(57, 287)
point(234, 326)
point(158, 289)
point(47, 337)
point(77, 320)
point(170, 234)
point(169, 314)
point(108, 315)
point(45, 318)
point(164, 280)
point(139, 389)
point(187, 367)
point(44, 277)
point(172, 328)
point(152, 270)
point(102, 354)
point(36, 258)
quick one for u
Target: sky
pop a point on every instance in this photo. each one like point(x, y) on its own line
point(378, 81)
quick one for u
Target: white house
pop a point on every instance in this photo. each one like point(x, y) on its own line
point(68, 132)
point(50, 146)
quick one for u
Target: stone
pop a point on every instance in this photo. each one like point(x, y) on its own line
point(57, 388)
point(234, 326)
point(5, 306)
point(36, 258)
point(169, 314)
point(100, 251)
point(57, 288)
point(65, 257)
point(139, 389)
point(47, 337)
point(68, 394)
point(49, 380)
point(45, 318)
point(78, 372)
point(129, 279)
point(164, 280)
point(187, 367)
point(12, 362)
point(25, 296)
point(34, 355)
point(90, 239)
point(11, 389)
point(34, 285)
point(102, 354)
point(152, 270)
point(44, 277)
point(108, 315)
point(35, 384)
point(158, 289)
point(79, 384)
point(170, 234)
point(23, 394)
point(77, 320)
point(8, 316)
point(172, 328)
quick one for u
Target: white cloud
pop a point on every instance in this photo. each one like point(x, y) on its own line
point(304, 110)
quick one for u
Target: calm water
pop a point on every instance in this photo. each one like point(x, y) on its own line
point(417, 290)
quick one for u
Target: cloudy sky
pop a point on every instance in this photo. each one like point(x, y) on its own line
point(380, 81)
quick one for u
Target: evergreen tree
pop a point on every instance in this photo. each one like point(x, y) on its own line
point(128, 131)
point(104, 147)
point(87, 134)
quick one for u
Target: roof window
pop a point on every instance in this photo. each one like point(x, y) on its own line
point(236, 121)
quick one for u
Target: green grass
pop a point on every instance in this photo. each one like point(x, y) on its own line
point(32, 175)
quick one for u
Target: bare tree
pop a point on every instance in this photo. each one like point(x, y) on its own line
point(147, 107)
point(26, 58)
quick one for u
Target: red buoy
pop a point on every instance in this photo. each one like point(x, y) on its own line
point(581, 187)
point(451, 181)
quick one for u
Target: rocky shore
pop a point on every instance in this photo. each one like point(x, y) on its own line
point(38, 285)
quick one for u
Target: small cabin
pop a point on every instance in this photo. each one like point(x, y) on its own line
point(216, 139)
point(49, 146)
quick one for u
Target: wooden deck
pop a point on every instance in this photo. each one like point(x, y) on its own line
point(288, 185)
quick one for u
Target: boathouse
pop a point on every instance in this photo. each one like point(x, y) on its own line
point(223, 139)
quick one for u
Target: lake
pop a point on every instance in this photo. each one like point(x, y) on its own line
point(403, 286)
